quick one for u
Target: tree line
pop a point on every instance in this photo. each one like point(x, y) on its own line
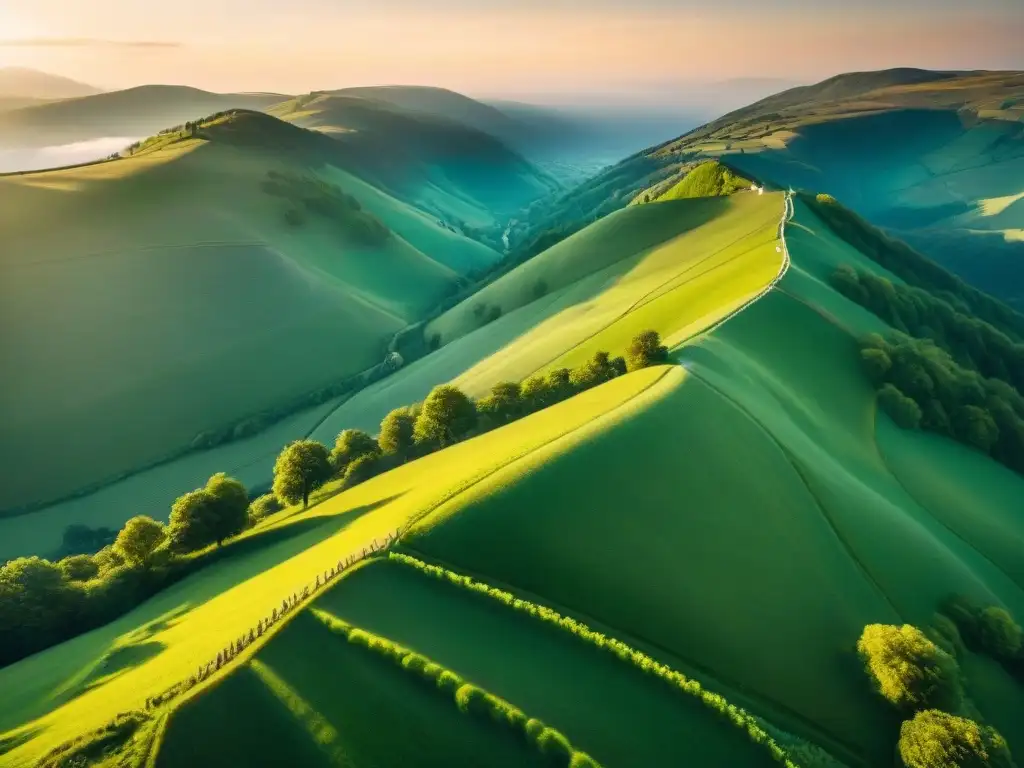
point(922, 387)
point(43, 603)
point(916, 269)
point(974, 343)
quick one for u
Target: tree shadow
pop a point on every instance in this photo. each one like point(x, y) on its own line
point(114, 663)
point(11, 741)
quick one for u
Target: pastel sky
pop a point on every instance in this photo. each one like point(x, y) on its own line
point(499, 47)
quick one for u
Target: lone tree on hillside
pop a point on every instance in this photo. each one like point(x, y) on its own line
point(934, 739)
point(350, 445)
point(646, 350)
point(908, 669)
point(302, 467)
point(138, 538)
point(446, 417)
point(396, 432)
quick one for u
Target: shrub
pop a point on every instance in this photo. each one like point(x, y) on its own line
point(79, 568)
point(934, 739)
point(362, 469)
point(1000, 636)
point(646, 350)
point(349, 446)
point(470, 699)
point(396, 432)
point(139, 538)
point(909, 670)
point(263, 507)
point(901, 409)
point(446, 417)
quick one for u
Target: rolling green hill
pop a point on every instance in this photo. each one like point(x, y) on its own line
point(182, 268)
point(934, 156)
point(614, 566)
point(140, 111)
point(438, 158)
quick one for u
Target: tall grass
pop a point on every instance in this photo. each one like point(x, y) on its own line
point(470, 699)
point(738, 716)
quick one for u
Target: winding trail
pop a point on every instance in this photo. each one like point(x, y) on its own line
point(787, 214)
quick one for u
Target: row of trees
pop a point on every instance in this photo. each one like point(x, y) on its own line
point(924, 683)
point(909, 265)
point(447, 416)
point(922, 386)
point(43, 603)
point(973, 343)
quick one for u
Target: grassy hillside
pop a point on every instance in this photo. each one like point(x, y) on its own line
point(800, 420)
point(709, 179)
point(679, 510)
point(442, 160)
point(935, 156)
point(675, 267)
point(213, 289)
point(137, 111)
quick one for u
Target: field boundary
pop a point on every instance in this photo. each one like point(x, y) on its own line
point(637, 658)
point(468, 697)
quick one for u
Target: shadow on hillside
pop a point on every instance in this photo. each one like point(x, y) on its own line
point(112, 665)
point(12, 741)
point(246, 558)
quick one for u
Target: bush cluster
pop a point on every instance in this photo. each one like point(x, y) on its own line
point(924, 682)
point(736, 715)
point(44, 603)
point(321, 198)
point(972, 343)
point(470, 699)
point(921, 386)
point(934, 739)
point(987, 629)
point(909, 670)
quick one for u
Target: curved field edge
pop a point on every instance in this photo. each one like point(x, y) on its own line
point(739, 717)
point(188, 623)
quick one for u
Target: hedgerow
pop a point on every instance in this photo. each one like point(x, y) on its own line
point(736, 715)
point(470, 699)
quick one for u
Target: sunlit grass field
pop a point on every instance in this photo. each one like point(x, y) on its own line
point(168, 637)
